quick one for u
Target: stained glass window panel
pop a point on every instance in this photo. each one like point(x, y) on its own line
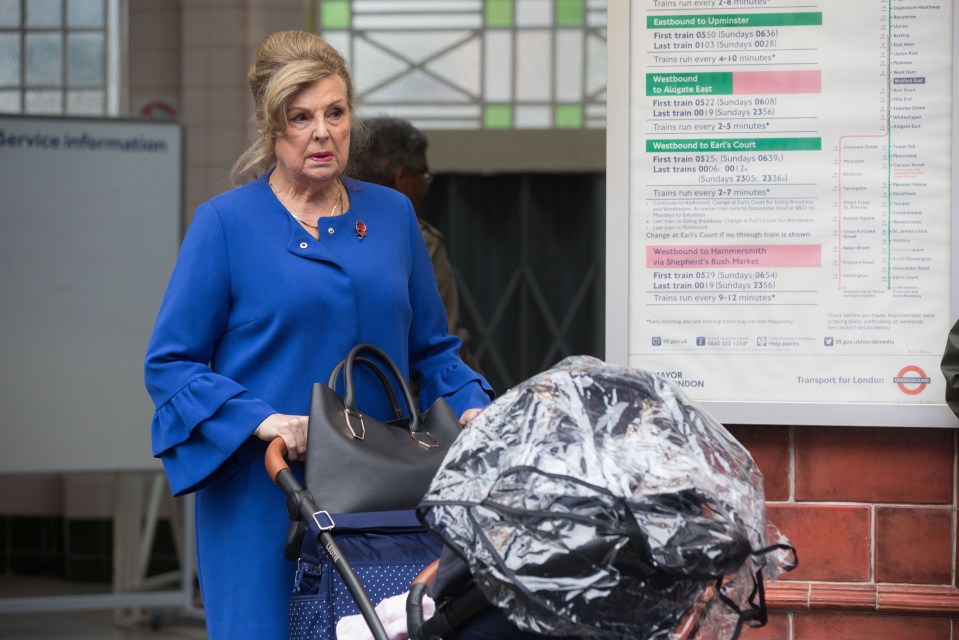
point(533, 64)
point(416, 86)
point(499, 13)
point(533, 117)
point(419, 46)
point(498, 116)
point(474, 63)
point(569, 65)
point(568, 116)
point(335, 14)
point(343, 41)
point(421, 6)
point(460, 67)
point(416, 21)
point(595, 63)
point(534, 13)
point(596, 113)
point(596, 13)
point(373, 66)
point(498, 71)
point(569, 13)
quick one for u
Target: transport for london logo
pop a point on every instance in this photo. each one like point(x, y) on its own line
point(912, 380)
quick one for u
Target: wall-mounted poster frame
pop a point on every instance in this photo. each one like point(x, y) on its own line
point(780, 215)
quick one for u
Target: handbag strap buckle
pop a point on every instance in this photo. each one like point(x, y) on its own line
point(420, 438)
point(348, 413)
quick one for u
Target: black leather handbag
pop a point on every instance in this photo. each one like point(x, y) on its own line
point(355, 463)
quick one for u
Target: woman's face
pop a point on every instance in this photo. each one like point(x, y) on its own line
point(316, 144)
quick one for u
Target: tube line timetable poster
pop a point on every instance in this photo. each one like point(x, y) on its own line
point(790, 226)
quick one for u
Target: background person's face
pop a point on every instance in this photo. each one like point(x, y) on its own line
point(412, 182)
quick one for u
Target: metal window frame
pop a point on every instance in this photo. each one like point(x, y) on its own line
point(113, 30)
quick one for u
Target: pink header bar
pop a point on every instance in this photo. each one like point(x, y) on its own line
point(733, 256)
point(777, 82)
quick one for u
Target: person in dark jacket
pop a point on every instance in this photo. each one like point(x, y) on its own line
point(395, 157)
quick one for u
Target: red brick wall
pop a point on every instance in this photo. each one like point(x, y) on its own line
point(872, 514)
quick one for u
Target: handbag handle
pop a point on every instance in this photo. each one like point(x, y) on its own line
point(349, 398)
point(369, 364)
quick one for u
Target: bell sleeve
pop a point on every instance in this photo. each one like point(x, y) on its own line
point(203, 420)
point(435, 364)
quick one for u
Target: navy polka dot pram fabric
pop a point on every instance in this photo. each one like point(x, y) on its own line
point(386, 550)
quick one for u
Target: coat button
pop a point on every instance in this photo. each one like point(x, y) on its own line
point(303, 245)
point(330, 231)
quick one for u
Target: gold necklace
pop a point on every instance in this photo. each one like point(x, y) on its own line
point(336, 203)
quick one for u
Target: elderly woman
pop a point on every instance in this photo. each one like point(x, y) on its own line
point(275, 281)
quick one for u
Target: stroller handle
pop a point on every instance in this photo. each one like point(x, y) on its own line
point(300, 506)
point(276, 458)
point(428, 574)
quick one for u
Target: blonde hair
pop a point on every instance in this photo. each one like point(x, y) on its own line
point(287, 62)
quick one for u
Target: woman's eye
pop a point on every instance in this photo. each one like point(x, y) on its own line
point(299, 117)
point(336, 113)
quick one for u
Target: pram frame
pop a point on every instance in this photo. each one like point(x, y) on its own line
point(300, 505)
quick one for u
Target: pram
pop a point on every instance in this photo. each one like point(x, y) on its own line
point(392, 545)
point(589, 501)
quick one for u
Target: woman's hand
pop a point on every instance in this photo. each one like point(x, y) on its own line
point(468, 415)
point(291, 428)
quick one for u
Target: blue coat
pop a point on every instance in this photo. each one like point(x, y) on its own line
point(256, 311)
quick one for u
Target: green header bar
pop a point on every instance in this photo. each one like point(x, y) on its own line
point(708, 83)
point(736, 20)
point(734, 144)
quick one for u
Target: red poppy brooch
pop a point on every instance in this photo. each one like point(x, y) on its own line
point(360, 229)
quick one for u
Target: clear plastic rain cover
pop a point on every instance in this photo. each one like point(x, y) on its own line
point(599, 501)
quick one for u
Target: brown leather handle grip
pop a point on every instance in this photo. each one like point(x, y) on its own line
point(275, 459)
point(427, 575)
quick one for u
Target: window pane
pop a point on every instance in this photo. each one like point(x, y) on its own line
point(523, 63)
point(9, 60)
point(10, 13)
point(85, 103)
point(534, 13)
point(9, 102)
point(44, 13)
point(533, 57)
point(85, 13)
point(498, 82)
point(44, 59)
point(45, 102)
point(85, 59)
point(569, 65)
